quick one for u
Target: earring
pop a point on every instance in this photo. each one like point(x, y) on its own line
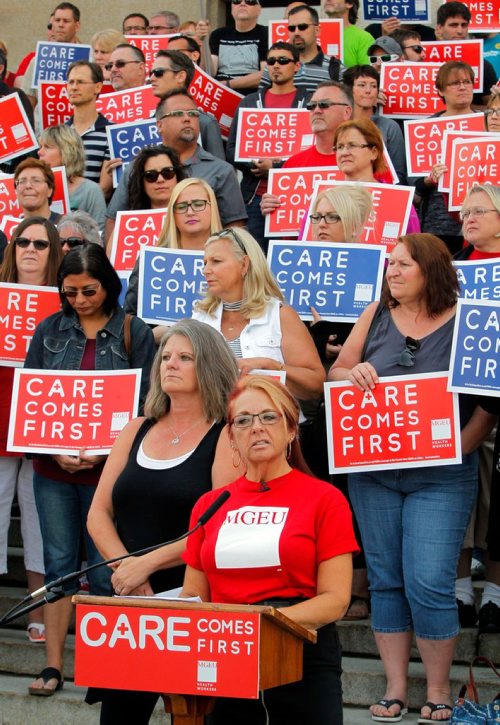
point(289, 449)
point(236, 465)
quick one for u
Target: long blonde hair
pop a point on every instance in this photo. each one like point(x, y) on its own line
point(169, 235)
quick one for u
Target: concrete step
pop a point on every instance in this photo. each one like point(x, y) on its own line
point(16, 575)
point(66, 707)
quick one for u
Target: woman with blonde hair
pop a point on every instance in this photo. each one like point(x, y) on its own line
point(103, 43)
point(245, 304)
point(62, 146)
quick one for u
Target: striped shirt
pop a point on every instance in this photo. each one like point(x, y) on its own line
point(96, 147)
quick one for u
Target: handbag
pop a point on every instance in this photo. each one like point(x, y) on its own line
point(467, 710)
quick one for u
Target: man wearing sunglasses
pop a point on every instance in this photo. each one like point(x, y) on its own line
point(238, 53)
point(303, 31)
point(127, 67)
point(411, 45)
point(177, 118)
point(282, 64)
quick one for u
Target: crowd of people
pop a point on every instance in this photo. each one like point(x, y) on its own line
point(233, 395)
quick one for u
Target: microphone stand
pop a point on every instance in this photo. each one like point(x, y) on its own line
point(18, 610)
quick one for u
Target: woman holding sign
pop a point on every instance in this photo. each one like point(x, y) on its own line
point(244, 303)
point(32, 258)
point(89, 334)
point(412, 520)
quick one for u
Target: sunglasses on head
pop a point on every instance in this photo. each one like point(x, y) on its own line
point(73, 242)
point(281, 61)
point(300, 26)
point(72, 293)
point(166, 173)
point(24, 243)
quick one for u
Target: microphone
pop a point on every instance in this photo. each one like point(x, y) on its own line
point(203, 519)
point(264, 486)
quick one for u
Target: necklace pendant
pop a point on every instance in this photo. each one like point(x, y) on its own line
point(175, 440)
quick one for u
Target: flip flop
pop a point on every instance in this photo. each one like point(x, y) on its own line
point(49, 673)
point(433, 707)
point(40, 629)
point(397, 717)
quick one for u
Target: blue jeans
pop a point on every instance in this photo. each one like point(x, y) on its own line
point(412, 524)
point(62, 509)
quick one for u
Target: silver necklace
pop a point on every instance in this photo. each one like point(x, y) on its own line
point(177, 436)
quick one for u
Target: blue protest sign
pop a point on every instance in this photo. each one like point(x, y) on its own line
point(53, 60)
point(475, 348)
point(170, 282)
point(479, 280)
point(408, 11)
point(338, 280)
point(125, 140)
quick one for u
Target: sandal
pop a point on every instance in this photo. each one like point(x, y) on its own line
point(397, 717)
point(359, 608)
point(49, 673)
point(39, 628)
point(435, 708)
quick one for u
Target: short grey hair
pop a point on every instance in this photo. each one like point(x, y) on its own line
point(82, 223)
point(216, 370)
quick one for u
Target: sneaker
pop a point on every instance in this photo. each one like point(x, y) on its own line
point(467, 614)
point(489, 618)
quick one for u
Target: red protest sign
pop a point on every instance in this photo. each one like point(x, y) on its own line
point(150, 45)
point(423, 139)
point(16, 135)
point(295, 188)
point(466, 51)
point(8, 224)
point(8, 196)
point(134, 229)
point(449, 136)
point(388, 219)
point(176, 650)
point(63, 411)
point(485, 15)
point(410, 89)
point(53, 106)
point(473, 161)
point(215, 98)
point(331, 35)
point(134, 104)
point(22, 308)
point(266, 133)
point(405, 421)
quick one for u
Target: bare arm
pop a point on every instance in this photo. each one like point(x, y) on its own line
point(195, 584)
point(251, 80)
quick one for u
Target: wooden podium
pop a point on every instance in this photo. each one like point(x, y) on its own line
point(190, 652)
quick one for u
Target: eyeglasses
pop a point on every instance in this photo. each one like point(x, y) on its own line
point(119, 63)
point(87, 292)
point(300, 26)
point(231, 233)
point(458, 84)
point(19, 183)
point(281, 61)
point(73, 242)
point(180, 114)
point(160, 27)
point(312, 105)
point(330, 217)
point(131, 28)
point(415, 48)
point(492, 112)
point(407, 359)
point(350, 146)
point(382, 58)
point(39, 244)
point(167, 173)
point(196, 205)
point(77, 82)
point(160, 72)
point(245, 420)
point(476, 211)
point(247, 2)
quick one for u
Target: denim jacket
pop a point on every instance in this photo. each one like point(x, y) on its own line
point(59, 343)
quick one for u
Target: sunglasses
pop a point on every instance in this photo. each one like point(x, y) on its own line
point(88, 292)
point(180, 114)
point(416, 48)
point(73, 242)
point(119, 64)
point(281, 61)
point(323, 105)
point(382, 58)
point(160, 72)
point(300, 26)
point(247, 2)
point(39, 244)
point(407, 359)
point(166, 173)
